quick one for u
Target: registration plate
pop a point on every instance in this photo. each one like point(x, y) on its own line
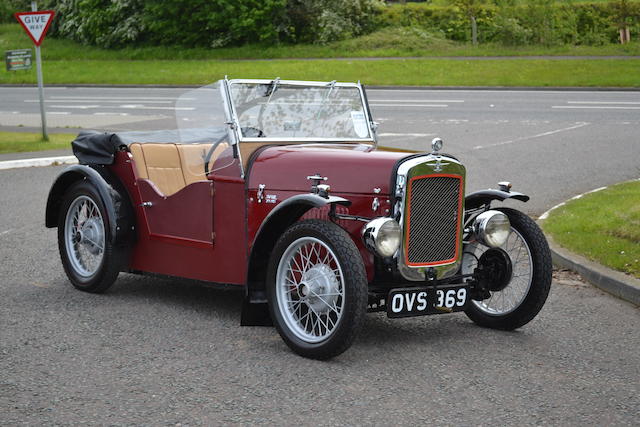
point(406, 302)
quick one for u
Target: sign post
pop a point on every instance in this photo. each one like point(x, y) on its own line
point(36, 24)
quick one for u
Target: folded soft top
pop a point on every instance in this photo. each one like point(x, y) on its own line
point(99, 148)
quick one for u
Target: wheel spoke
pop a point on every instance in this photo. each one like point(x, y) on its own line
point(309, 270)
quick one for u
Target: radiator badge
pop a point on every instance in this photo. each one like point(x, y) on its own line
point(438, 166)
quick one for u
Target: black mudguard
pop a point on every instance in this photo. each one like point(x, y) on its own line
point(254, 309)
point(483, 197)
point(119, 212)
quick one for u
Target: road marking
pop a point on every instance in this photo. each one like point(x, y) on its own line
point(59, 113)
point(590, 107)
point(101, 101)
point(418, 100)
point(6, 232)
point(123, 106)
point(540, 135)
point(603, 102)
point(122, 97)
point(412, 105)
point(79, 107)
point(413, 135)
point(141, 107)
point(111, 114)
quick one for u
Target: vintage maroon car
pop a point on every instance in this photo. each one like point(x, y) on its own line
point(278, 186)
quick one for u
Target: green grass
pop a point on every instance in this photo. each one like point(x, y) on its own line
point(67, 62)
point(602, 226)
point(20, 142)
point(444, 72)
point(384, 43)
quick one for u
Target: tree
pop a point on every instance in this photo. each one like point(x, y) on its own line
point(471, 9)
point(623, 17)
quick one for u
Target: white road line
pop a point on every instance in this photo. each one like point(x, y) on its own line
point(410, 105)
point(603, 102)
point(59, 113)
point(141, 107)
point(417, 100)
point(413, 135)
point(540, 135)
point(5, 232)
point(124, 106)
point(122, 97)
point(44, 161)
point(593, 107)
point(79, 107)
point(101, 101)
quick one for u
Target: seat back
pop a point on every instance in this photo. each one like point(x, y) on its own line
point(171, 167)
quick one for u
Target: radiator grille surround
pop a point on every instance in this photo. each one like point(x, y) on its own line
point(433, 220)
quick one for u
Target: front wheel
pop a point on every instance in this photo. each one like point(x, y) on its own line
point(317, 289)
point(516, 299)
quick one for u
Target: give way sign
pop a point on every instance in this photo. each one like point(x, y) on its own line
point(36, 23)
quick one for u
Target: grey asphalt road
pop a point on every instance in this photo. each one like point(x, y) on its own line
point(160, 351)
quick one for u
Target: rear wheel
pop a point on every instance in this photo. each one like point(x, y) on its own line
point(317, 289)
point(517, 296)
point(84, 240)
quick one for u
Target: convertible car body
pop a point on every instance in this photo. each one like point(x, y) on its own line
point(279, 187)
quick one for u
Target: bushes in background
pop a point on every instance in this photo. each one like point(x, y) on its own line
point(543, 22)
point(212, 23)
point(216, 23)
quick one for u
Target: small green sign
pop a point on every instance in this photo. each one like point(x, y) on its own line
point(18, 59)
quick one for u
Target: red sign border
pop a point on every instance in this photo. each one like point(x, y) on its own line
point(46, 28)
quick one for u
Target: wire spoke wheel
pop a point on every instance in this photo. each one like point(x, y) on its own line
point(310, 289)
point(89, 257)
point(508, 299)
point(519, 299)
point(85, 236)
point(317, 288)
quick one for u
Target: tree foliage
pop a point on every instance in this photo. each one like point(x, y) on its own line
point(211, 23)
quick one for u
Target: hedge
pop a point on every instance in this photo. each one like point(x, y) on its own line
point(537, 22)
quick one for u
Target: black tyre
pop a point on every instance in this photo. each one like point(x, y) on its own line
point(517, 303)
point(317, 289)
point(84, 240)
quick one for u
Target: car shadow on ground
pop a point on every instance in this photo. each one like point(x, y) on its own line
point(226, 301)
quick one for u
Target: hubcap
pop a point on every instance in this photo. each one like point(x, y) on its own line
point(310, 289)
point(507, 293)
point(84, 236)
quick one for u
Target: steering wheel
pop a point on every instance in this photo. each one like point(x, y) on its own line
point(207, 157)
point(251, 132)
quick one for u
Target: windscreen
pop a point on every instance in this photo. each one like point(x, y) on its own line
point(275, 110)
point(203, 143)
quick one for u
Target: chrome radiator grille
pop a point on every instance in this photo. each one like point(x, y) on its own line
point(433, 220)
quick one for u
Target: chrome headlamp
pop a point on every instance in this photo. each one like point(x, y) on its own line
point(492, 228)
point(382, 236)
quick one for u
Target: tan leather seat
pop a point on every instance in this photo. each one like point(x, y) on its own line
point(171, 167)
point(161, 166)
point(192, 160)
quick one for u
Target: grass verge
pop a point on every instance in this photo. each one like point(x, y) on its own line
point(387, 42)
point(20, 142)
point(603, 226)
point(411, 72)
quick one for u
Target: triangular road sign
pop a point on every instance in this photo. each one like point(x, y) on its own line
point(36, 24)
